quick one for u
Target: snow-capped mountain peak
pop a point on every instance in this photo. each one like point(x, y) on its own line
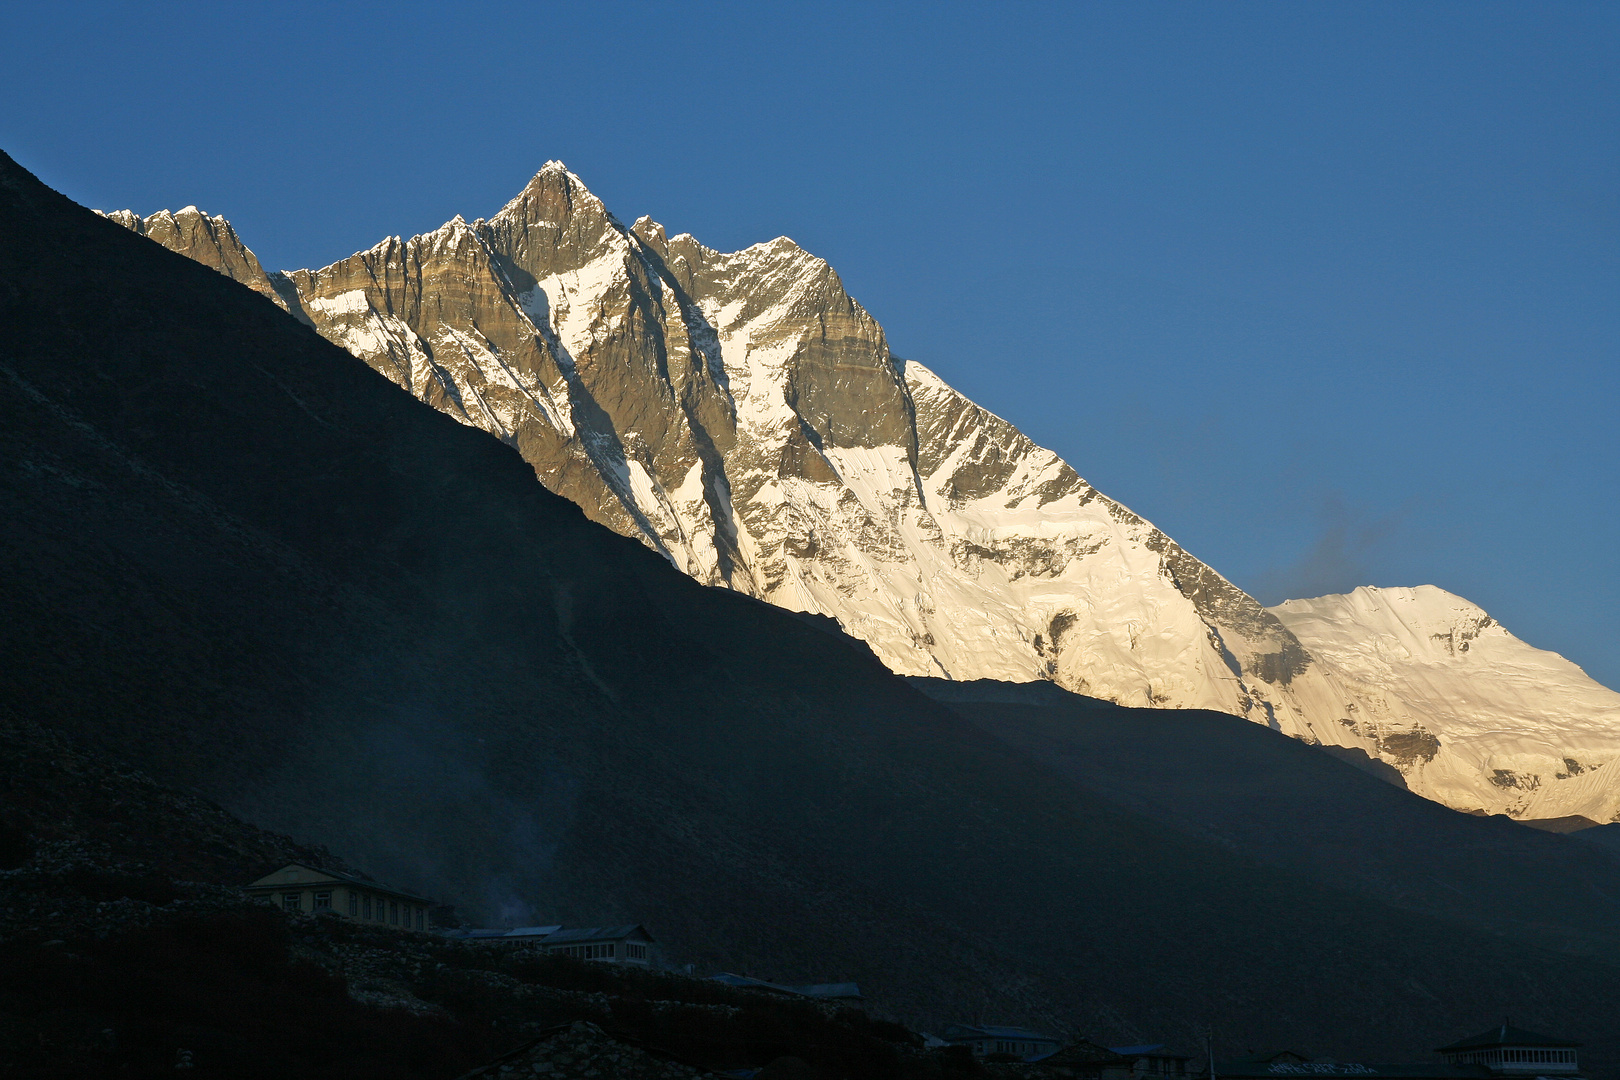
point(740, 413)
point(1494, 724)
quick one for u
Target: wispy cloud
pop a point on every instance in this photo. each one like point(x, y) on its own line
point(1337, 560)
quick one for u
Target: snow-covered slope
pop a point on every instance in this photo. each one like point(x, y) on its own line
point(1476, 718)
point(742, 414)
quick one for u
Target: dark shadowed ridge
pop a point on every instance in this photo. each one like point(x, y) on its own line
point(243, 561)
point(1291, 805)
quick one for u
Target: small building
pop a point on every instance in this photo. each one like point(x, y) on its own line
point(614, 944)
point(1502, 1051)
point(307, 890)
point(1083, 1059)
point(1509, 1051)
point(984, 1041)
point(1152, 1059)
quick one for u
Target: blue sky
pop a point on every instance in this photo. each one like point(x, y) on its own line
point(1329, 292)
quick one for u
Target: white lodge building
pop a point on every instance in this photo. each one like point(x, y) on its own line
point(1511, 1051)
point(619, 944)
point(299, 888)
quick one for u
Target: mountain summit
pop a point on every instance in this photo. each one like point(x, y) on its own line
point(741, 414)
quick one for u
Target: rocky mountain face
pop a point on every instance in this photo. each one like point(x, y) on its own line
point(742, 415)
point(212, 242)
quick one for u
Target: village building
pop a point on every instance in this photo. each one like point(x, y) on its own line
point(309, 891)
point(1151, 1060)
point(615, 944)
point(1509, 1051)
point(984, 1041)
point(1083, 1059)
point(1502, 1051)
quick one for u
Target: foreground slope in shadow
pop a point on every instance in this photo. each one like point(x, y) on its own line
point(1290, 805)
point(236, 556)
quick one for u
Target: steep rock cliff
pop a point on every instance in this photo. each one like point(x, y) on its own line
point(741, 414)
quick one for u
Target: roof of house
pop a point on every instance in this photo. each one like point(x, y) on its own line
point(1082, 1052)
point(969, 1032)
point(329, 876)
point(521, 933)
point(1506, 1034)
point(750, 983)
point(830, 990)
point(1147, 1050)
point(813, 990)
point(598, 933)
point(1262, 1070)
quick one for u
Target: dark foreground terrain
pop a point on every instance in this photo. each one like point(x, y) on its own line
point(115, 963)
point(234, 558)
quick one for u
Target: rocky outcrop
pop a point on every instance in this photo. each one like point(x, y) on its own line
point(581, 1049)
point(743, 415)
point(212, 242)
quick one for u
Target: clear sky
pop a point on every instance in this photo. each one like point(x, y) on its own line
point(1329, 292)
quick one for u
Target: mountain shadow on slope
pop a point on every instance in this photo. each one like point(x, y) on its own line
point(249, 564)
point(1290, 805)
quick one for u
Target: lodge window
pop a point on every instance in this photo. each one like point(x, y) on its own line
point(367, 908)
point(393, 913)
point(292, 901)
point(323, 901)
point(633, 951)
point(589, 952)
point(354, 903)
point(419, 919)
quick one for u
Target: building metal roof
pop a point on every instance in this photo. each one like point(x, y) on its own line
point(521, 933)
point(1146, 1050)
point(597, 933)
point(969, 1032)
point(830, 990)
point(330, 877)
point(1083, 1052)
point(1506, 1035)
point(1275, 1070)
point(750, 983)
point(834, 991)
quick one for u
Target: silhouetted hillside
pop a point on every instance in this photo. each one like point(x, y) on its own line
point(1284, 803)
point(238, 557)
